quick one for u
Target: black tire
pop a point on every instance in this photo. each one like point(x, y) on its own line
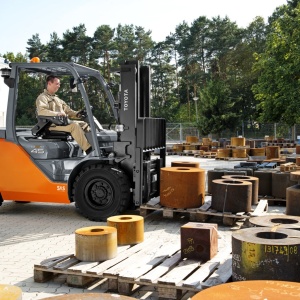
point(101, 191)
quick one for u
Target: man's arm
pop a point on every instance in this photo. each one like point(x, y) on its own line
point(43, 108)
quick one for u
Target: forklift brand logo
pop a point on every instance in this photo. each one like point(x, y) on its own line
point(126, 100)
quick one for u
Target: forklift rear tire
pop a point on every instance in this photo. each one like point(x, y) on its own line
point(101, 191)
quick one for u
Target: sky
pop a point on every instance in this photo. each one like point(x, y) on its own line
point(20, 20)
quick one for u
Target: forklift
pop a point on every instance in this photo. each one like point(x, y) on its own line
point(39, 165)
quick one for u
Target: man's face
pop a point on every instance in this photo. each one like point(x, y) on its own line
point(53, 86)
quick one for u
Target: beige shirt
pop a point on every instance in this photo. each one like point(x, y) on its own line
point(51, 105)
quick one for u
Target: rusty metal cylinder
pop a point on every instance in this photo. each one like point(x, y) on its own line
point(272, 152)
point(230, 195)
point(130, 228)
point(280, 182)
point(192, 139)
point(10, 292)
point(260, 253)
point(238, 141)
point(276, 221)
point(251, 290)
point(190, 164)
point(239, 153)
point(224, 152)
point(253, 180)
point(182, 187)
point(297, 149)
point(293, 200)
point(96, 243)
point(265, 182)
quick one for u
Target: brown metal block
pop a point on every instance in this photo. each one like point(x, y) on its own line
point(273, 152)
point(199, 241)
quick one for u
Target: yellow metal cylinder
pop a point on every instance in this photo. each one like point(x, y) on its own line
point(238, 141)
point(130, 228)
point(96, 243)
point(10, 292)
point(182, 187)
point(239, 153)
point(192, 139)
point(272, 152)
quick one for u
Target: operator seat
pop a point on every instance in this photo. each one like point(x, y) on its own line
point(41, 129)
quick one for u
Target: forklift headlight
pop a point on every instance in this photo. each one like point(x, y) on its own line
point(111, 155)
point(119, 128)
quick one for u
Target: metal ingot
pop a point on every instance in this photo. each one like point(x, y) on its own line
point(130, 228)
point(199, 241)
point(10, 292)
point(265, 182)
point(190, 164)
point(212, 175)
point(230, 195)
point(293, 200)
point(280, 182)
point(96, 243)
point(276, 221)
point(182, 187)
point(253, 180)
point(262, 253)
point(251, 289)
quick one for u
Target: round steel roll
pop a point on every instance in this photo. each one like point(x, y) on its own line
point(231, 195)
point(257, 151)
point(275, 222)
point(253, 180)
point(272, 152)
point(251, 290)
point(265, 182)
point(258, 253)
point(182, 187)
point(212, 175)
point(190, 164)
point(130, 229)
point(292, 200)
point(96, 243)
point(10, 292)
point(238, 141)
point(280, 182)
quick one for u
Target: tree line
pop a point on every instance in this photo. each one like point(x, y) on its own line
point(211, 73)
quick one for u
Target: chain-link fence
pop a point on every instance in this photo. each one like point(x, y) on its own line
point(177, 132)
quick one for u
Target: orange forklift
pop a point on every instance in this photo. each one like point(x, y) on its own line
point(39, 165)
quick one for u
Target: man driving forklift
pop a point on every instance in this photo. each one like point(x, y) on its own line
point(49, 104)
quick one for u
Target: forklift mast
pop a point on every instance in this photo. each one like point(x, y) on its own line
point(142, 134)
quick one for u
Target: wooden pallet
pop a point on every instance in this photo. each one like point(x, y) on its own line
point(206, 155)
point(203, 213)
point(146, 264)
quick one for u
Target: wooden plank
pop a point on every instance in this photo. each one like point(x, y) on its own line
point(149, 261)
point(222, 275)
point(162, 269)
point(66, 264)
point(99, 269)
point(261, 207)
point(83, 266)
point(205, 206)
point(180, 272)
point(50, 262)
point(200, 275)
